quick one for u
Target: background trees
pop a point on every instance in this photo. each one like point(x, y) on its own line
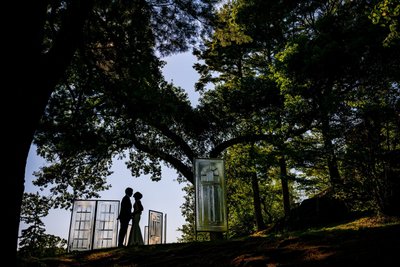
point(387, 14)
point(292, 96)
point(34, 241)
point(319, 68)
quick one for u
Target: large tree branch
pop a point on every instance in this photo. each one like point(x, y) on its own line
point(273, 139)
point(175, 138)
point(241, 139)
point(179, 166)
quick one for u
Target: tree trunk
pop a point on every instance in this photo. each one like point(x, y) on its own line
point(257, 203)
point(13, 182)
point(32, 78)
point(285, 186)
point(332, 162)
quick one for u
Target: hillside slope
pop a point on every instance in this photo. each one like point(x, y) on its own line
point(364, 242)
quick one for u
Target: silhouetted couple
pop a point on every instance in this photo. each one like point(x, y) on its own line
point(126, 214)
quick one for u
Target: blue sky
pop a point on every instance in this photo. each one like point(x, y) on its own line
point(165, 196)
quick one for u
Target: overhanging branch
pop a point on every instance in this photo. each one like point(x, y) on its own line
point(241, 139)
point(179, 166)
point(176, 139)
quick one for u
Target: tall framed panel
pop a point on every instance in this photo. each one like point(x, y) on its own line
point(146, 235)
point(106, 228)
point(155, 227)
point(82, 223)
point(211, 215)
point(93, 225)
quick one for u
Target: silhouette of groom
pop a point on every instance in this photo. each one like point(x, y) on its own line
point(125, 215)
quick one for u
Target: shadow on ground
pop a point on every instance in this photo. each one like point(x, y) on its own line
point(358, 243)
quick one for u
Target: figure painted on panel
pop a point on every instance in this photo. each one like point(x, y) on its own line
point(211, 194)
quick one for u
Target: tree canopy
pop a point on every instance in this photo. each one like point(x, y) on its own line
point(52, 35)
point(296, 96)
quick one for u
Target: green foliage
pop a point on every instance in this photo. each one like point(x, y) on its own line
point(387, 14)
point(373, 152)
point(323, 70)
point(327, 65)
point(113, 102)
point(34, 242)
point(243, 162)
point(228, 31)
point(299, 85)
point(189, 233)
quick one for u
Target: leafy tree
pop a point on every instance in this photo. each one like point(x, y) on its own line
point(189, 233)
point(329, 65)
point(113, 111)
point(387, 14)
point(50, 33)
point(304, 74)
point(322, 65)
point(34, 242)
point(246, 167)
point(250, 186)
point(333, 70)
point(237, 58)
point(373, 153)
point(241, 201)
point(122, 73)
